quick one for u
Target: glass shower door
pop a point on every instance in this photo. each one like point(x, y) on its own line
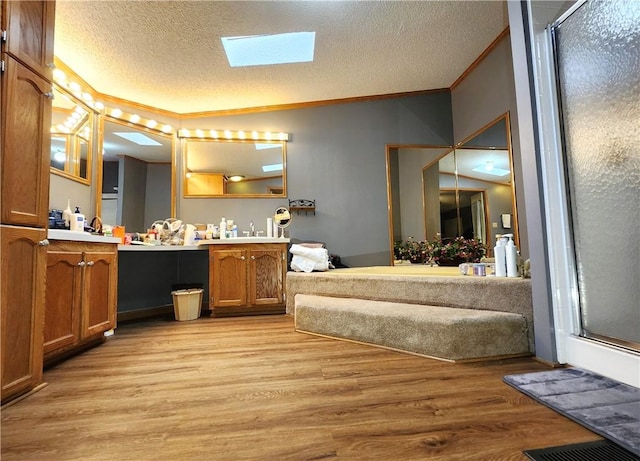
point(598, 79)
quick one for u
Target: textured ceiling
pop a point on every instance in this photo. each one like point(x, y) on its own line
point(168, 54)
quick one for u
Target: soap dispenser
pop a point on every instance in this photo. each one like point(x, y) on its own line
point(511, 255)
point(77, 221)
point(500, 255)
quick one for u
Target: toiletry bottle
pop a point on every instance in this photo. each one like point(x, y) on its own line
point(77, 221)
point(269, 227)
point(223, 228)
point(499, 253)
point(511, 254)
point(234, 231)
point(66, 215)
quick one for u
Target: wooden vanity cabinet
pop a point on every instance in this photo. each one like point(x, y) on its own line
point(22, 293)
point(29, 27)
point(26, 141)
point(25, 123)
point(247, 279)
point(80, 295)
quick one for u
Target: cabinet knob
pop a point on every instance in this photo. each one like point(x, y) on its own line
point(43, 243)
point(81, 263)
point(242, 257)
point(90, 263)
point(253, 257)
point(48, 95)
point(51, 65)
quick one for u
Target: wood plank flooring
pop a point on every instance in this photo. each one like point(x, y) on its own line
point(251, 388)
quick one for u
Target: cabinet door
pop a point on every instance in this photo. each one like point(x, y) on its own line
point(30, 28)
point(26, 121)
point(266, 275)
point(62, 301)
point(228, 284)
point(99, 292)
point(21, 308)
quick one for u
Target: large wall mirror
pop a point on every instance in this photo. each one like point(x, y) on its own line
point(138, 184)
point(214, 168)
point(463, 191)
point(72, 136)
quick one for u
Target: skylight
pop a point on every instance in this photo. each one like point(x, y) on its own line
point(492, 171)
point(274, 167)
point(261, 50)
point(263, 145)
point(138, 138)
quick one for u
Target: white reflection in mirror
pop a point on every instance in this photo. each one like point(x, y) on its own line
point(239, 168)
point(71, 136)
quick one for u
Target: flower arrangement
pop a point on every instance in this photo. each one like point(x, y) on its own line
point(411, 250)
point(457, 250)
point(440, 251)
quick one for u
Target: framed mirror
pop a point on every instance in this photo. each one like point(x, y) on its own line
point(217, 168)
point(138, 185)
point(484, 163)
point(72, 136)
point(465, 191)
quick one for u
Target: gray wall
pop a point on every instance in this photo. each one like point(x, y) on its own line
point(158, 193)
point(486, 93)
point(132, 186)
point(336, 156)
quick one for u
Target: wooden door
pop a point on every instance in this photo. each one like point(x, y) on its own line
point(26, 120)
point(30, 29)
point(99, 292)
point(266, 275)
point(228, 278)
point(21, 308)
point(63, 299)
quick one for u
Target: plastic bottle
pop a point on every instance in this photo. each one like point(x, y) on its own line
point(223, 228)
point(511, 257)
point(77, 221)
point(234, 231)
point(66, 215)
point(500, 255)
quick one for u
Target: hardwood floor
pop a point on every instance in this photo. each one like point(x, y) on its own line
point(253, 389)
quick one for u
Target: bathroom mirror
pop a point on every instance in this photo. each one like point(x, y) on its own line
point(463, 191)
point(484, 165)
point(72, 136)
point(138, 186)
point(217, 168)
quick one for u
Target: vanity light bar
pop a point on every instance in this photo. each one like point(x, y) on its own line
point(137, 120)
point(230, 135)
point(76, 89)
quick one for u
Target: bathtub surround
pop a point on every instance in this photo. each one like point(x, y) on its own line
point(445, 316)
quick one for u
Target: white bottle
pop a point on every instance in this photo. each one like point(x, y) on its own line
point(223, 228)
point(269, 227)
point(77, 221)
point(66, 215)
point(500, 255)
point(511, 257)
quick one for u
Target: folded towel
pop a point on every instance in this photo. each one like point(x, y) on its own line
point(303, 264)
point(320, 255)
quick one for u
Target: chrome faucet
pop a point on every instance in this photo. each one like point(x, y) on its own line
point(252, 229)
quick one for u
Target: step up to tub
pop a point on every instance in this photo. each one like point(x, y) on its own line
point(434, 331)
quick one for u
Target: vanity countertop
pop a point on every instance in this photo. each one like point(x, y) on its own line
point(237, 240)
point(77, 236)
point(203, 244)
